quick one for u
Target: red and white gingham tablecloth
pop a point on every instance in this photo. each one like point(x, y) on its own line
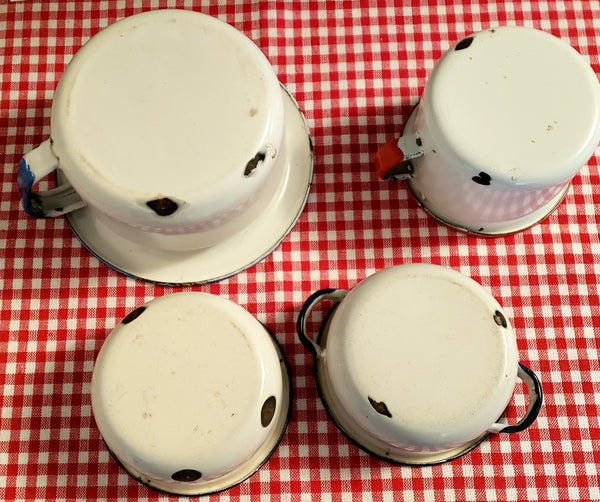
point(356, 70)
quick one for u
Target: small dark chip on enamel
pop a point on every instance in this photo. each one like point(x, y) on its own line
point(268, 411)
point(186, 475)
point(253, 163)
point(132, 316)
point(380, 407)
point(463, 44)
point(482, 178)
point(499, 319)
point(162, 207)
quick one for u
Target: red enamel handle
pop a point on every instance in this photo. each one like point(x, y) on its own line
point(387, 157)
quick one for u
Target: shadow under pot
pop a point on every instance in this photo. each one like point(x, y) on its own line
point(191, 394)
point(417, 364)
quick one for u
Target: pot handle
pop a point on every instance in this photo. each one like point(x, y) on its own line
point(392, 160)
point(535, 403)
point(34, 166)
point(311, 302)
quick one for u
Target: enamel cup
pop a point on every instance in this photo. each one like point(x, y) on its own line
point(168, 125)
point(417, 364)
point(507, 118)
point(191, 393)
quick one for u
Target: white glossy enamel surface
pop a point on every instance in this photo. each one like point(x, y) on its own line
point(171, 104)
point(520, 101)
point(182, 386)
point(518, 105)
point(137, 254)
point(422, 340)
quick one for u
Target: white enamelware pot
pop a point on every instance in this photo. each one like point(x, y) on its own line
point(508, 117)
point(417, 363)
point(168, 127)
point(191, 393)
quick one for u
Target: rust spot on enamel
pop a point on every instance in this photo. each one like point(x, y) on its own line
point(380, 407)
point(163, 207)
point(253, 163)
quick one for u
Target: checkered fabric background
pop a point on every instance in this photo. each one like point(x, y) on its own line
point(356, 70)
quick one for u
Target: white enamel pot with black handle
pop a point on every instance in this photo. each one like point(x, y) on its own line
point(417, 364)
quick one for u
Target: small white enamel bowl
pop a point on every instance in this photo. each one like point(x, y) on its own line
point(191, 394)
point(168, 127)
point(417, 363)
point(507, 118)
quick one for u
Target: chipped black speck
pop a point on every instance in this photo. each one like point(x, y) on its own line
point(163, 206)
point(482, 179)
point(268, 411)
point(499, 319)
point(380, 407)
point(187, 475)
point(463, 44)
point(253, 163)
point(132, 316)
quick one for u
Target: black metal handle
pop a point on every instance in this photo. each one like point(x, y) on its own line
point(312, 301)
point(535, 400)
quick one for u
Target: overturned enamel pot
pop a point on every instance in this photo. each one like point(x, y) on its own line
point(417, 363)
point(191, 394)
point(178, 155)
point(507, 118)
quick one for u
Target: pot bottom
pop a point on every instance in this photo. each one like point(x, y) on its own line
point(369, 443)
point(196, 488)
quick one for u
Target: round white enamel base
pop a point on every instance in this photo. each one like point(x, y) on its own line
point(170, 120)
point(225, 258)
point(415, 364)
point(489, 230)
point(370, 443)
point(191, 393)
point(243, 472)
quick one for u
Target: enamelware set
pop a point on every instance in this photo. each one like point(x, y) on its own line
point(180, 159)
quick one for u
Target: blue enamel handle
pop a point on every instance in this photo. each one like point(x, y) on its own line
point(56, 202)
